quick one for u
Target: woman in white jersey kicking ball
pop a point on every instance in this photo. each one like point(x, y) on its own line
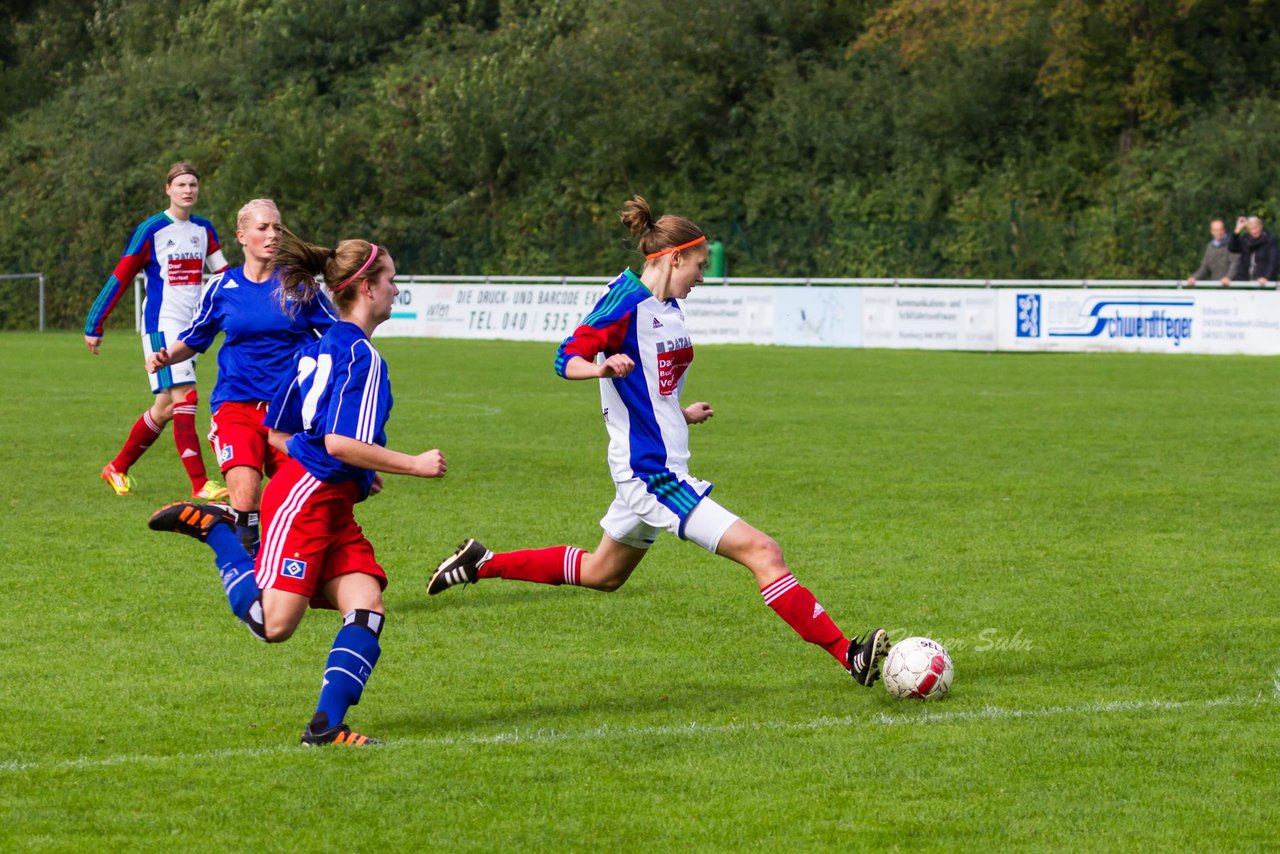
point(636, 344)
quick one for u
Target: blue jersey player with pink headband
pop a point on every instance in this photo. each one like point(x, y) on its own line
point(636, 343)
point(313, 553)
point(261, 336)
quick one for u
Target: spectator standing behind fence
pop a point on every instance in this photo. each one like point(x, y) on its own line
point(1258, 252)
point(1218, 262)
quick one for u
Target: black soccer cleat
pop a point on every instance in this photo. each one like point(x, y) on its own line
point(318, 733)
point(461, 567)
point(194, 520)
point(864, 657)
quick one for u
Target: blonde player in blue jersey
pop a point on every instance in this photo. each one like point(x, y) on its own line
point(313, 553)
point(636, 344)
point(173, 248)
point(261, 336)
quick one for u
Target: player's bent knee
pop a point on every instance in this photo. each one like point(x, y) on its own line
point(607, 585)
point(765, 551)
point(277, 632)
point(278, 635)
point(764, 559)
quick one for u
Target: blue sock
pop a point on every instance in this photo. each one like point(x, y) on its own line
point(236, 568)
point(355, 652)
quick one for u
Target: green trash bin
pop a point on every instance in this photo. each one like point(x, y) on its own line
point(715, 260)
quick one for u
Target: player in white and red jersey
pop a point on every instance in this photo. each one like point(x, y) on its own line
point(172, 248)
point(636, 343)
point(313, 553)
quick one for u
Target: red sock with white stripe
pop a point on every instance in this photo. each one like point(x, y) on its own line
point(794, 603)
point(556, 565)
point(187, 440)
point(145, 431)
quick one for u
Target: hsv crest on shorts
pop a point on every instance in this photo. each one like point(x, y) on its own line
point(294, 568)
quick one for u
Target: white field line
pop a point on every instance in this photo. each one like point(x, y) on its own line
point(925, 715)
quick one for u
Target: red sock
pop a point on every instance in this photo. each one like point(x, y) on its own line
point(144, 432)
point(556, 565)
point(795, 604)
point(188, 441)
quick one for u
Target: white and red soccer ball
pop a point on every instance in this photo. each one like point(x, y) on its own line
point(917, 668)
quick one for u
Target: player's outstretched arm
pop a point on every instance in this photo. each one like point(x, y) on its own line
point(616, 366)
point(696, 413)
point(377, 458)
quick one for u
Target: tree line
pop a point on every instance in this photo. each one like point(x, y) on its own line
point(1036, 138)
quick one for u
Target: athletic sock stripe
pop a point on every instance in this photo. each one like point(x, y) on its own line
point(344, 672)
point(778, 589)
point(151, 422)
point(241, 577)
point(779, 583)
point(780, 592)
point(354, 653)
point(571, 565)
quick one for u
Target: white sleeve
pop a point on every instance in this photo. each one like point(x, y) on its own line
point(216, 261)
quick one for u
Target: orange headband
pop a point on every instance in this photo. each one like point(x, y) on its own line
point(702, 239)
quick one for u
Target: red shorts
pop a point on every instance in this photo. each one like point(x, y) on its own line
point(310, 536)
point(239, 438)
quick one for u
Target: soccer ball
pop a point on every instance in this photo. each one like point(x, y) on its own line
point(919, 668)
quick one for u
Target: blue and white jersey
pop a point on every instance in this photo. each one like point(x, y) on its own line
point(261, 339)
point(173, 254)
point(341, 387)
point(284, 411)
point(648, 436)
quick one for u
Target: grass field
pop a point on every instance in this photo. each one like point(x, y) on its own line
point(1093, 535)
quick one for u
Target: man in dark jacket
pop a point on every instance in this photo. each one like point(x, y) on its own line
point(1259, 255)
point(1218, 262)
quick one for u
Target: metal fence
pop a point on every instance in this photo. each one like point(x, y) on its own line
point(39, 277)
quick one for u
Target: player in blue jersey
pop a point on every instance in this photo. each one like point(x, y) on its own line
point(636, 344)
point(172, 248)
point(261, 337)
point(313, 553)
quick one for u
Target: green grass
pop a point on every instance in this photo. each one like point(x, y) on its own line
point(1093, 534)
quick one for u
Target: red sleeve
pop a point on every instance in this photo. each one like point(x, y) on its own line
point(117, 283)
point(587, 341)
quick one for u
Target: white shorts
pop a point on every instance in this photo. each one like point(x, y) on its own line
point(636, 516)
point(182, 373)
